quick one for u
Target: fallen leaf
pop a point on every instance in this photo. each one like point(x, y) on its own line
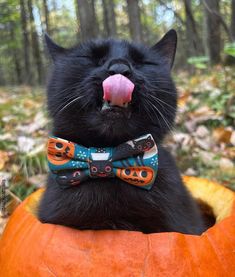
point(191, 172)
point(30, 104)
point(183, 98)
point(39, 122)
point(221, 134)
point(225, 164)
point(232, 138)
point(25, 144)
point(202, 131)
point(12, 204)
point(3, 222)
point(204, 143)
point(208, 158)
point(3, 158)
point(37, 180)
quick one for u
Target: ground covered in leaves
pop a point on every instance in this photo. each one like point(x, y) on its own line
point(203, 140)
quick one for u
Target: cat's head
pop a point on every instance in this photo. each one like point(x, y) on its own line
point(75, 91)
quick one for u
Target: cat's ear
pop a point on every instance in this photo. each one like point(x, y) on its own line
point(54, 49)
point(166, 47)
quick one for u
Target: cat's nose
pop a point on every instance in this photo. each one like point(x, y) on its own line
point(119, 68)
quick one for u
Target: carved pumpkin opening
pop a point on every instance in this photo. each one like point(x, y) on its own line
point(207, 213)
point(214, 200)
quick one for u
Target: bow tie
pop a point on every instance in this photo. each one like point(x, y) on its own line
point(135, 161)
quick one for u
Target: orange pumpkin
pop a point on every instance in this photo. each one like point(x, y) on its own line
point(30, 248)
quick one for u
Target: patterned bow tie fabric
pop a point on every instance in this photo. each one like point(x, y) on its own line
point(135, 161)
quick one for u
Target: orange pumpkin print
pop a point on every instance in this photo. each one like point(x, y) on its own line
point(60, 151)
point(138, 176)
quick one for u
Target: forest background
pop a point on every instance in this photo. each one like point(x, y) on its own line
point(203, 140)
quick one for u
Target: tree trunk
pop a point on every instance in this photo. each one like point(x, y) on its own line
point(146, 34)
point(95, 21)
point(87, 18)
point(26, 46)
point(2, 77)
point(46, 16)
point(193, 40)
point(15, 56)
point(109, 18)
point(213, 40)
point(232, 27)
point(35, 44)
point(134, 20)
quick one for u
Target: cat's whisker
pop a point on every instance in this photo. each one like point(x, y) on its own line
point(70, 103)
point(157, 99)
point(163, 90)
point(69, 88)
point(163, 117)
point(161, 81)
point(147, 111)
point(154, 112)
point(61, 106)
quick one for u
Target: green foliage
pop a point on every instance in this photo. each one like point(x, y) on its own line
point(33, 163)
point(199, 62)
point(229, 49)
point(21, 190)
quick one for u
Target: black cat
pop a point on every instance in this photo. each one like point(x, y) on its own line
point(75, 102)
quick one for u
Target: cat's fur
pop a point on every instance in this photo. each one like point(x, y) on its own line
point(110, 203)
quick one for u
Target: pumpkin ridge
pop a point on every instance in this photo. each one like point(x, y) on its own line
point(225, 233)
point(189, 251)
point(15, 235)
point(45, 248)
point(49, 270)
point(147, 255)
point(18, 227)
point(219, 258)
point(227, 246)
point(194, 257)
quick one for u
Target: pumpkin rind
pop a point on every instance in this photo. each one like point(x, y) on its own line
point(30, 248)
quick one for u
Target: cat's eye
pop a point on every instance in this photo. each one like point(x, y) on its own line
point(150, 62)
point(101, 61)
point(99, 54)
point(84, 56)
point(136, 55)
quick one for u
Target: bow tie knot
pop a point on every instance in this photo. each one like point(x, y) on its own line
point(135, 161)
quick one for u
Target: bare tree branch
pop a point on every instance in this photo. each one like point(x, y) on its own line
point(218, 15)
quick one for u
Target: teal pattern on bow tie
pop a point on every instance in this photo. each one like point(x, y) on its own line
point(135, 161)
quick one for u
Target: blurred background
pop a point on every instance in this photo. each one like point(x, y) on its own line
point(203, 140)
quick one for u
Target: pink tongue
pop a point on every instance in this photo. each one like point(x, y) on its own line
point(117, 89)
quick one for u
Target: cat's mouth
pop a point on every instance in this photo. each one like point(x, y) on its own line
point(117, 92)
point(117, 96)
point(115, 111)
